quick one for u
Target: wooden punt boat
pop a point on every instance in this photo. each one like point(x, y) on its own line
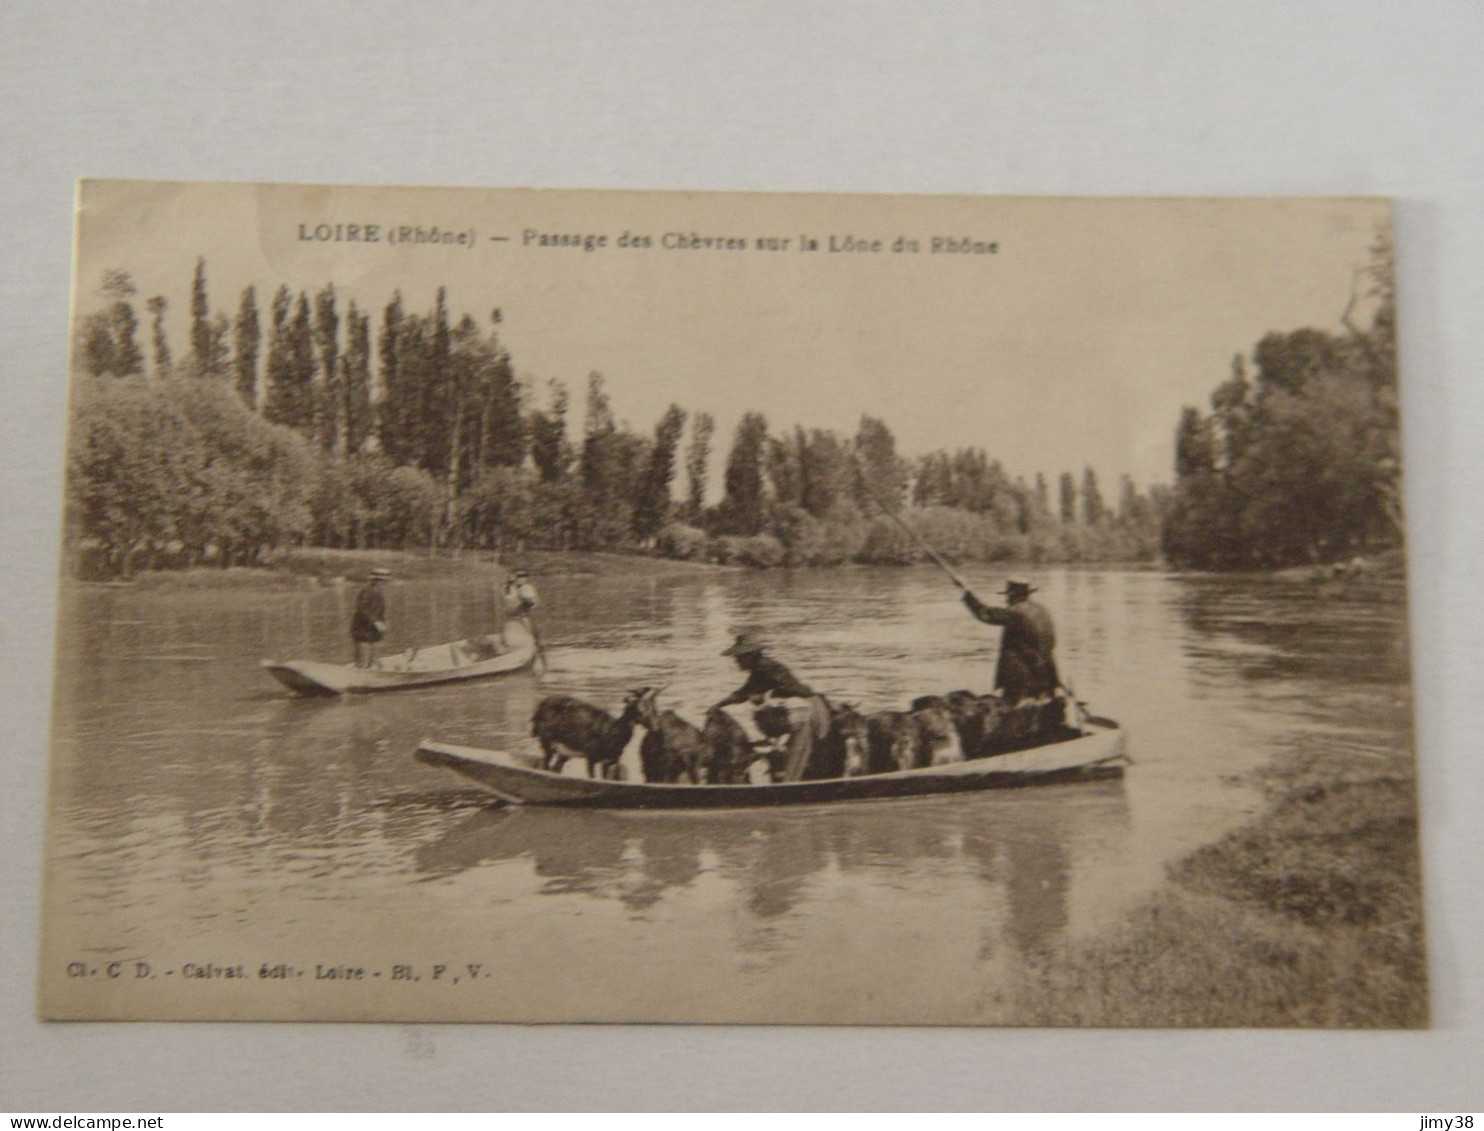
point(518, 779)
point(475, 658)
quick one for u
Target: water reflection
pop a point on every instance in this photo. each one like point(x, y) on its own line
point(924, 848)
point(193, 798)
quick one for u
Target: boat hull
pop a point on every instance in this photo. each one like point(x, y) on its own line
point(518, 780)
point(417, 667)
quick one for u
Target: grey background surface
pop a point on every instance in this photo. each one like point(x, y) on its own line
point(1149, 97)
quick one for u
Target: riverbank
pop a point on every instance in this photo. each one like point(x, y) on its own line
point(303, 568)
point(1309, 916)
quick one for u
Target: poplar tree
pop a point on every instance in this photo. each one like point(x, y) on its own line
point(1093, 508)
point(882, 476)
point(200, 322)
point(328, 407)
point(278, 393)
point(108, 345)
point(825, 473)
point(697, 459)
point(502, 434)
point(1067, 498)
point(388, 352)
point(291, 364)
point(610, 466)
point(128, 359)
point(246, 344)
point(355, 379)
point(652, 503)
point(436, 401)
point(550, 451)
point(157, 307)
point(742, 505)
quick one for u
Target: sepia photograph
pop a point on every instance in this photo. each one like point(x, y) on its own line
point(577, 606)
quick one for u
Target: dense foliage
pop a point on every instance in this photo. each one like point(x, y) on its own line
point(1301, 462)
point(299, 423)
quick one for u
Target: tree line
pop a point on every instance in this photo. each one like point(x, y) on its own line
point(298, 422)
point(1298, 462)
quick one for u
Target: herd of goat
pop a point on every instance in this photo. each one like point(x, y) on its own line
point(936, 729)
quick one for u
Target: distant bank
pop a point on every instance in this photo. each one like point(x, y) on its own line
point(308, 568)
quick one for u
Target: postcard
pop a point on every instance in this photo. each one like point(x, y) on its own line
point(592, 606)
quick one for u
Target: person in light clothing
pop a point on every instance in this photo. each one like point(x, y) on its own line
point(520, 596)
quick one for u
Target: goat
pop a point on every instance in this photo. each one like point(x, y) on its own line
point(840, 752)
point(938, 734)
point(893, 742)
point(673, 747)
point(564, 723)
point(906, 740)
point(967, 714)
point(846, 748)
point(729, 750)
point(1029, 722)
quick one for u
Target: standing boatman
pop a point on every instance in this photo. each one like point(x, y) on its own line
point(1027, 666)
point(368, 622)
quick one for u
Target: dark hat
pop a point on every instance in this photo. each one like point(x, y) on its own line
point(517, 574)
point(1019, 589)
point(379, 574)
point(742, 645)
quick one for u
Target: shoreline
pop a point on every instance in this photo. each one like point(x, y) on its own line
point(1307, 916)
point(316, 567)
point(320, 566)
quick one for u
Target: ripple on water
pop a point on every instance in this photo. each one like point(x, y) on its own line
point(193, 804)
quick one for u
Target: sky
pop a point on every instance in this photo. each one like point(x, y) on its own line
point(1074, 343)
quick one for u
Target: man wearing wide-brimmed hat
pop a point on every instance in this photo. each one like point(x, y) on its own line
point(368, 623)
point(808, 713)
point(1027, 667)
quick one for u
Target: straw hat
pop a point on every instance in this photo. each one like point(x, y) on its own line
point(379, 574)
point(743, 645)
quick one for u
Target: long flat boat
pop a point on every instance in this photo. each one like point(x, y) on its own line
point(477, 657)
point(1097, 752)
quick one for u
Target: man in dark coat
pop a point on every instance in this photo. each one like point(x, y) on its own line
point(368, 623)
point(1027, 667)
point(808, 713)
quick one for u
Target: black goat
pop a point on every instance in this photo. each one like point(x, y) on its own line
point(568, 727)
point(845, 752)
point(673, 748)
point(893, 744)
point(730, 751)
point(720, 753)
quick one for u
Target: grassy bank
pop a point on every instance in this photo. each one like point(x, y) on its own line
point(321, 567)
point(1309, 916)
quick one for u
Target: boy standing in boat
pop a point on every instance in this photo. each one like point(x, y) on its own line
point(520, 595)
point(808, 713)
point(518, 602)
point(1027, 666)
point(368, 623)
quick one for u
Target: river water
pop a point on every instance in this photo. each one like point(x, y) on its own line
point(204, 820)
